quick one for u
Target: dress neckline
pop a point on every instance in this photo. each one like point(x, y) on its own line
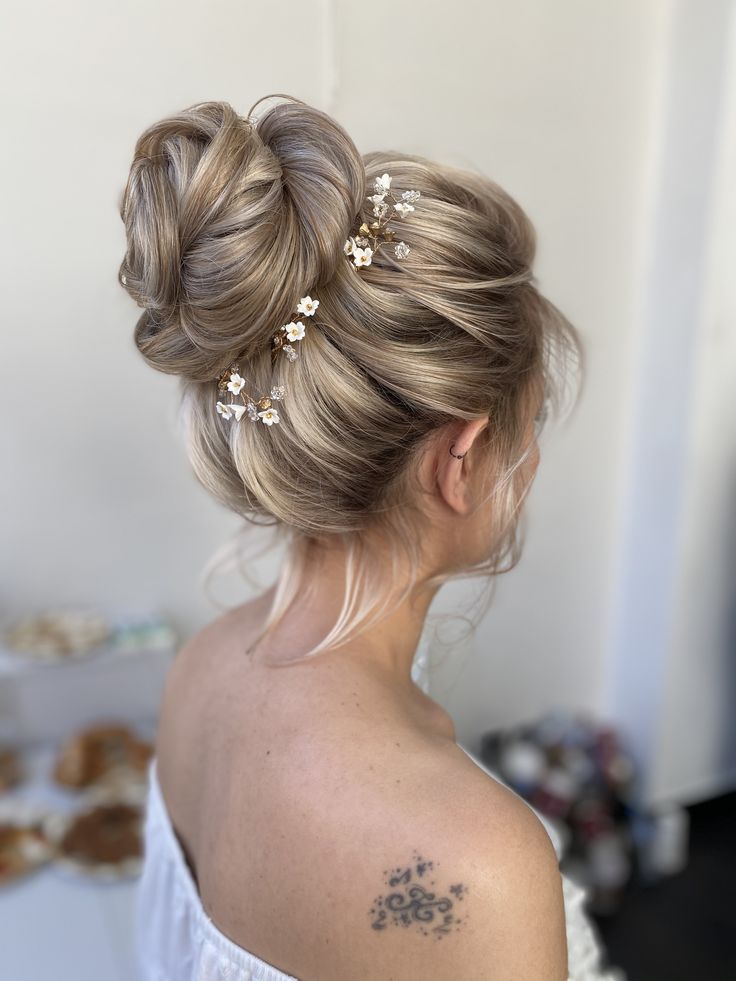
point(206, 926)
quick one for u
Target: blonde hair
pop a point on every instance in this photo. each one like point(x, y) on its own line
point(229, 221)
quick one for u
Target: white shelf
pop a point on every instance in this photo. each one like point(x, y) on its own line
point(46, 702)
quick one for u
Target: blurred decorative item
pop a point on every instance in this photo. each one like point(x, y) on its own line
point(103, 839)
point(24, 846)
point(102, 753)
point(57, 634)
point(43, 698)
point(576, 772)
point(661, 838)
point(11, 772)
point(150, 632)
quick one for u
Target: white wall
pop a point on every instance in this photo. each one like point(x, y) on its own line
point(695, 737)
point(561, 103)
point(650, 611)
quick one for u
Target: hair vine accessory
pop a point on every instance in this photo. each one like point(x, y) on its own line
point(232, 381)
point(361, 248)
point(371, 237)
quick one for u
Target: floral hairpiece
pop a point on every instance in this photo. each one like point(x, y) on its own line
point(371, 237)
point(361, 248)
point(232, 381)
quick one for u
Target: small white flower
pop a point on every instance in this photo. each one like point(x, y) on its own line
point(402, 250)
point(236, 383)
point(224, 409)
point(269, 416)
point(348, 247)
point(362, 257)
point(238, 408)
point(377, 198)
point(295, 330)
point(403, 208)
point(307, 306)
point(383, 183)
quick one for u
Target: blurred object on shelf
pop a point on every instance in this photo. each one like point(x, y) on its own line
point(526, 762)
point(57, 634)
point(103, 837)
point(142, 633)
point(24, 846)
point(576, 772)
point(96, 833)
point(661, 837)
point(55, 922)
point(103, 753)
point(11, 770)
point(42, 699)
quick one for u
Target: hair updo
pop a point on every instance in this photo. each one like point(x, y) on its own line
point(229, 221)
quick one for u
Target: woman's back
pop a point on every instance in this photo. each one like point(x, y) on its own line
point(335, 829)
point(333, 825)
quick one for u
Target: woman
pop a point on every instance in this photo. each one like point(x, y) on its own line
point(310, 813)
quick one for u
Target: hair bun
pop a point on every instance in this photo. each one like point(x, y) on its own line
point(228, 222)
point(324, 176)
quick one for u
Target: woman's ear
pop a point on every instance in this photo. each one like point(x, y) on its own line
point(454, 465)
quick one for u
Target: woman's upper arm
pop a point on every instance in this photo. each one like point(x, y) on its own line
point(515, 912)
point(492, 908)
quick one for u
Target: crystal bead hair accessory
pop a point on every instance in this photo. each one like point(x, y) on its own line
point(295, 330)
point(371, 237)
point(232, 381)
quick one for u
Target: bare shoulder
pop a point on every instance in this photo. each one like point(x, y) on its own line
point(197, 673)
point(520, 925)
point(446, 875)
point(377, 852)
point(203, 653)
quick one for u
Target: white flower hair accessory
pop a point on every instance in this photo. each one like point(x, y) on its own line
point(232, 381)
point(360, 248)
point(370, 237)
